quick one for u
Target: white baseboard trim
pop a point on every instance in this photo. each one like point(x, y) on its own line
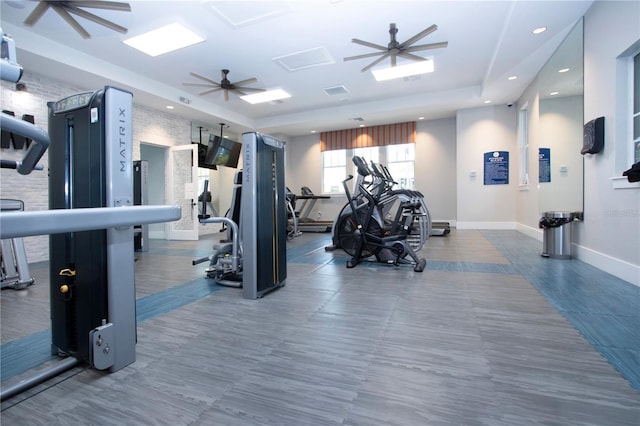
point(159, 235)
point(451, 222)
point(529, 231)
point(485, 225)
point(616, 267)
point(619, 268)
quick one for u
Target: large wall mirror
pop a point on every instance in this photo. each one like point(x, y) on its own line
point(220, 186)
point(561, 167)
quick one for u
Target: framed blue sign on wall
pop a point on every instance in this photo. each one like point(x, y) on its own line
point(496, 168)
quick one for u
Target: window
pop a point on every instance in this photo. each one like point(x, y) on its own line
point(370, 154)
point(203, 174)
point(627, 115)
point(523, 144)
point(400, 162)
point(399, 159)
point(334, 171)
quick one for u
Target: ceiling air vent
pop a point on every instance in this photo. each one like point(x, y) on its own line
point(357, 119)
point(305, 59)
point(335, 90)
point(238, 14)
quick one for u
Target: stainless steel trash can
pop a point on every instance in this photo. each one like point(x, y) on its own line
point(556, 237)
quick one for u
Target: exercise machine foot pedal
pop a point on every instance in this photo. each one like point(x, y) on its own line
point(420, 266)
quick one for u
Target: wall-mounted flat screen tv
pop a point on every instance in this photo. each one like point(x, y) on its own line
point(223, 152)
point(202, 154)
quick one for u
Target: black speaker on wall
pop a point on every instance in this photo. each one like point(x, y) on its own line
point(593, 136)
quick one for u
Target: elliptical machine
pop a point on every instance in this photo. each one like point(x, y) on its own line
point(378, 182)
point(364, 232)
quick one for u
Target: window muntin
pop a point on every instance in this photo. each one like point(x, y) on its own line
point(400, 162)
point(399, 159)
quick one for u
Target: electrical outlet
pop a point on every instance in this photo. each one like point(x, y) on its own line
point(319, 215)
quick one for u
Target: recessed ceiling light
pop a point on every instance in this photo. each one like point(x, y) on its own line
point(513, 77)
point(401, 71)
point(487, 101)
point(313, 131)
point(554, 93)
point(420, 118)
point(564, 70)
point(362, 125)
point(164, 39)
point(170, 107)
point(539, 30)
point(267, 96)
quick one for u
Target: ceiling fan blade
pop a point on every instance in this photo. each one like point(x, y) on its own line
point(247, 81)
point(36, 14)
point(206, 92)
point(204, 78)
point(366, 55)
point(250, 89)
point(198, 84)
point(366, 43)
point(71, 21)
point(426, 46)
point(104, 5)
point(418, 36)
point(377, 61)
point(98, 20)
point(411, 56)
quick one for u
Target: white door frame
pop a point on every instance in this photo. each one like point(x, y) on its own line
point(182, 181)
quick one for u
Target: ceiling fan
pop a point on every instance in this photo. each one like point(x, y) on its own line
point(395, 49)
point(73, 7)
point(226, 85)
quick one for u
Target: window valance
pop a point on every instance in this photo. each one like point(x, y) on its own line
point(363, 137)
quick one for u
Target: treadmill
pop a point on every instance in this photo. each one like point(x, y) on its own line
point(440, 229)
point(305, 222)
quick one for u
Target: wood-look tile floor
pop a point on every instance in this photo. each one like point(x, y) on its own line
point(488, 334)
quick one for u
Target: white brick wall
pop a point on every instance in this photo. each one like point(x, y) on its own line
point(32, 189)
point(149, 125)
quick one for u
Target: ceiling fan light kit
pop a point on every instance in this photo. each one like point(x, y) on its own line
point(406, 70)
point(266, 96)
point(164, 39)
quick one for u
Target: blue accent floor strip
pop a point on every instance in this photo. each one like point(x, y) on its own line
point(603, 308)
point(301, 252)
point(162, 302)
point(22, 355)
point(455, 266)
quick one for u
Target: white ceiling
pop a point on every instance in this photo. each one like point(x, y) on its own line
point(488, 41)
